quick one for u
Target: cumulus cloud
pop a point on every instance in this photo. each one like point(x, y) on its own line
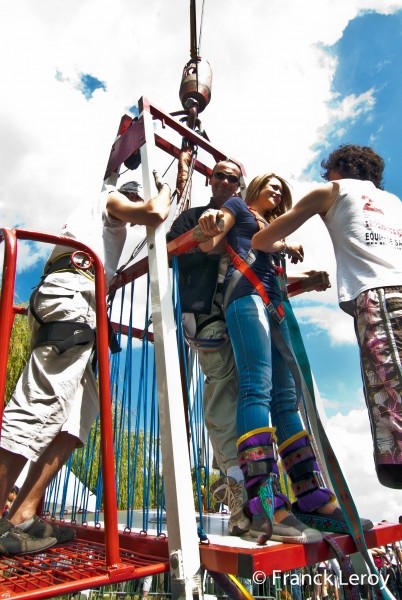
point(337, 324)
point(274, 81)
point(351, 440)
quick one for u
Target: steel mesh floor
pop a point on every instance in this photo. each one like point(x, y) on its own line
point(74, 566)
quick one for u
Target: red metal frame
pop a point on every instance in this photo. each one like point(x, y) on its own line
point(244, 562)
point(182, 244)
point(6, 306)
point(10, 238)
point(134, 137)
point(81, 564)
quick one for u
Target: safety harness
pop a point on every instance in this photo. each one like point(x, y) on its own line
point(276, 314)
point(63, 335)
point(71, 262)
point(243, 267)
point(197, 342)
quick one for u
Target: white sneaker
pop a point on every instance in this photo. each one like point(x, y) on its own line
point(228, 491)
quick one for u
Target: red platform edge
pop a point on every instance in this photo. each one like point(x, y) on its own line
point(243, 562)
point(81, 564)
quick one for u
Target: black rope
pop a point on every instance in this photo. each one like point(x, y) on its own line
point(201, 26)
point(193, 31)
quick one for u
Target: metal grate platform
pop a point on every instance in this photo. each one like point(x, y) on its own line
point(79, 565)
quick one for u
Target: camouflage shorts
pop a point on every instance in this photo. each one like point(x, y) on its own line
point(378, 324)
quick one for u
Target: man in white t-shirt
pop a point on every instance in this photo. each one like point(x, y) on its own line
point(365, 225)
point(55, 401)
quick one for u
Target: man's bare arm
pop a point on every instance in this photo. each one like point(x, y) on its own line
point(153, 212)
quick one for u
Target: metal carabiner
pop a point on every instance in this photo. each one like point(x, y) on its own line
point(86, 260)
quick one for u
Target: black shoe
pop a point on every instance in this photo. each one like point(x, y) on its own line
point(289, 531)
point(42, 529)
point(16, 542)
point(390, 476)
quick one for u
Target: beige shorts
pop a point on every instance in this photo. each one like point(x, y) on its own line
point(55, 392)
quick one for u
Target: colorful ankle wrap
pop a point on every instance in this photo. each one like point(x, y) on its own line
point(300, 463)
point(257, 459)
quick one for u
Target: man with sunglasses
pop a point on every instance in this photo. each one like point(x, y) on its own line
point(55, 401)
point(200, 284)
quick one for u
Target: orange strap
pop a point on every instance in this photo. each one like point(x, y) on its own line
point(279, 312)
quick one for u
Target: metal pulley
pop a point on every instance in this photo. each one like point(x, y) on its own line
point(196, 82)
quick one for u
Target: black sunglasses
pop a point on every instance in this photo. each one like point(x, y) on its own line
point(221, 176)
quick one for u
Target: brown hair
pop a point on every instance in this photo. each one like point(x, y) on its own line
point(355, 162)
point(258, 183)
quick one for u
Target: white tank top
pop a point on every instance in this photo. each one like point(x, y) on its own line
point(103, 233)
point(365, 225)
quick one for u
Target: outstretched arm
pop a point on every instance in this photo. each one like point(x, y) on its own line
point(318, 201)
point(137, 212)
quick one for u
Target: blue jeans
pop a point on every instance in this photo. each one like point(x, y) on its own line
point(266, 384)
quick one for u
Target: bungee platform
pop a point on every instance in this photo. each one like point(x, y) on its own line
point(106, 551)
point(243, 557)
point(82, 563)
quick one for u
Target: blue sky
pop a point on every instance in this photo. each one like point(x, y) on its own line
point(368, 59)
point(369, 54)
point(288, 86)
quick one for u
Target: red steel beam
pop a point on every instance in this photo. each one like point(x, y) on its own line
point(243, 562)
point(6, 305)
point(182, 244)
point(108, 470)
point(134, 137)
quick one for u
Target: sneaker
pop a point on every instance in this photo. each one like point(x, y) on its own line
point(41, 529)
point(289, 531)
point(260, 528)
point(13, 541)
point(292, 531)
point(227, 490)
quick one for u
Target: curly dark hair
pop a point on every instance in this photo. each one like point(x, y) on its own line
point(355, 162)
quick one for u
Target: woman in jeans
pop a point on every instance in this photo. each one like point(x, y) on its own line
point(267, 408)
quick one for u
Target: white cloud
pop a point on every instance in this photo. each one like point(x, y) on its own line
point(337, 324)
point(349, 110)
point(270, 96)
point(350, 437)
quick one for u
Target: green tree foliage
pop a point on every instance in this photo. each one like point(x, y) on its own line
point(18, 353)
point(135, 485)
